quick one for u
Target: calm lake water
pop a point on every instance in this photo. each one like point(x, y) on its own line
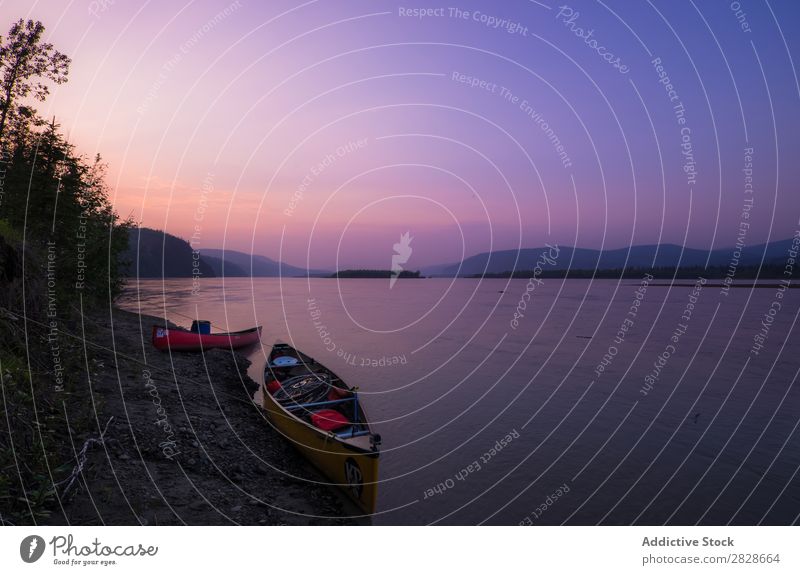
point(586, 408)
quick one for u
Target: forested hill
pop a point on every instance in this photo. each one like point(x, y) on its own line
point(156, 254)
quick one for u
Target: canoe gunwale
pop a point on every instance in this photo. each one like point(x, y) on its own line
point(324, 435)
point(215, 334)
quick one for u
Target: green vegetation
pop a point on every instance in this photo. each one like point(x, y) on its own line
point(385, 274)
point(60, 246)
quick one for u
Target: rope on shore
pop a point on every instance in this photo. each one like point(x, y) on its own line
point(82, 455)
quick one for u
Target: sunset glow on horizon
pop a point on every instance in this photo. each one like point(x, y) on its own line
point(318, 133)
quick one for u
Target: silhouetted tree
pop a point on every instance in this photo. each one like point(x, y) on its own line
point(25, 63)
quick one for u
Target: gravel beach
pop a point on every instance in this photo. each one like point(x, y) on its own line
point(183, 441)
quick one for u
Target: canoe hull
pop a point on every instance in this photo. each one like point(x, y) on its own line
point(352, 469)
point(184, 340)
point(348, 458)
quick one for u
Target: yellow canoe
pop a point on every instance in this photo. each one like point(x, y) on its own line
point(325, 420)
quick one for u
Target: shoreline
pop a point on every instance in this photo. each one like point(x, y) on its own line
point(184, 443)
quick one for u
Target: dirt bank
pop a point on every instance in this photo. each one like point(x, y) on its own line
point(184, 444)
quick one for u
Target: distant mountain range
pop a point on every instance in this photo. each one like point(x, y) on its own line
point(662, 255)
point(154, 254)
point(231, 263)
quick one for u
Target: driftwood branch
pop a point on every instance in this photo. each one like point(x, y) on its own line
point(82, 455)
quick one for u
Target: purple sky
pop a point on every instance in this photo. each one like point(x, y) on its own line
point(322, 131)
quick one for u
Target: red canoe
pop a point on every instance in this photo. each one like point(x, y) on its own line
point(178, 339)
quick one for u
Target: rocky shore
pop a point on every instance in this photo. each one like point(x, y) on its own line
point(178, 440)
